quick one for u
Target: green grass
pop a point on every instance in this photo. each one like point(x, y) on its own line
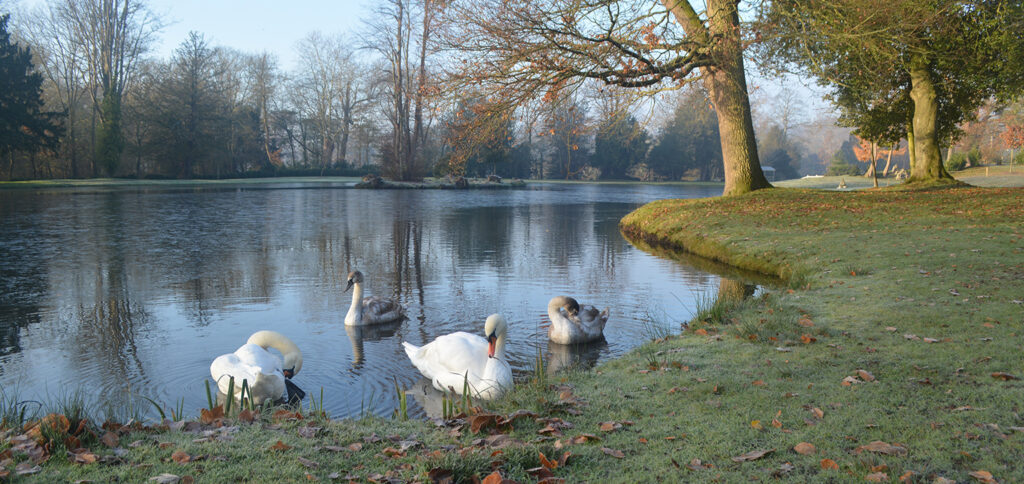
point(880, 271)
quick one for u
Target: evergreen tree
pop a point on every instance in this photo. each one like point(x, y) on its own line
point(24, 126)
point(620, 143)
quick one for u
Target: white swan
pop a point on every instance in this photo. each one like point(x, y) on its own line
point(369, 310)
point(572, 323)
point(263, 370)
point(454, 359)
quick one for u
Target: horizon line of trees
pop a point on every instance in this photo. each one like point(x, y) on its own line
point(452, 88)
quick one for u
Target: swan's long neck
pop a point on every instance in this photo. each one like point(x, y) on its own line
point(355, 312)
point(289, 350)
point(499, 348)
point(555, 304)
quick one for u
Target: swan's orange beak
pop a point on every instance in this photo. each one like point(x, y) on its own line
point(491, 342)
point(288, 373)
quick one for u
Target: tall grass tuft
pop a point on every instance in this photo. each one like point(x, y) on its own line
point(14, 412)
point(209, 396)
point(539, 373)
point(402, 412)
point(317, 407)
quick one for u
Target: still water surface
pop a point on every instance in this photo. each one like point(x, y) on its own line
point(106, 290)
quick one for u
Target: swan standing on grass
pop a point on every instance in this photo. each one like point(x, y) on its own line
point(369, 310)
point(454, 359)
point(572, 323)
point(263, 370)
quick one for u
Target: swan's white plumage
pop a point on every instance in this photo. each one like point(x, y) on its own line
point(572, 323)
point(452, 360)
point(262, 369)
point(371, 309)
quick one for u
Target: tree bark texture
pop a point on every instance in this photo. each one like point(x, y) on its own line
point(727, 84)
point(926, 161)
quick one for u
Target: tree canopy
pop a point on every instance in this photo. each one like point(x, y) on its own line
point(24, 126)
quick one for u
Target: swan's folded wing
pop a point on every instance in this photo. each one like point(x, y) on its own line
point(230, 365)
point(454, 353)
point(381, 308)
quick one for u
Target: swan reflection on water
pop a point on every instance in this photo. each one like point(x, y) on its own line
point(575, 356)
point(357, 335)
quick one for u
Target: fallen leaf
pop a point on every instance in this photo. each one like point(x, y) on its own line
point(393, 452)
point(702, 332)
point(943, 480)
point(493, 478)
point(930, 340)
point(610, 426)
point(110, 439)
point(877, 477)
point(584, 438)
point(865, 375)
point(547, 463)
point(280, 446)
point(807, 339)
point(880, 447)
point(309, 432)
point(286, 415)
point(907, 476)
point(208, 416)
point(752, 455)
point(829, 464)
point(540, 473)
point(247, 416)
point(83, 456)
point(480, 422)
point(850, 380)
point(818, 414)
point(181, 457)
point(437, 475)
point(355, 446)
point(804, 448)
point(776, 423)
point(697, 465)
point(983, 476)
point(999, 375)
point(757, 383)
point(805, 322)
point(165, 479)
point(756, 424)
point(612, 452)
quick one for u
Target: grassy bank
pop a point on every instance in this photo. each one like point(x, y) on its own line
point(892, 351)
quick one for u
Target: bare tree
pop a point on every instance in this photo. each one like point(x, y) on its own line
point(112, 36)
point(530, 48)
point(264, 78)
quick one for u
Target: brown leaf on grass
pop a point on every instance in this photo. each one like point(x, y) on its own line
point(110, 439)
point(309, 432)
point(818, 414)
point(829, 464)
point(849, 381)
point(82, 456)
point(865, 375)
point(308, 463)
point(282, 415)
point(208, 416)
point(697, 465)
point(584, 438)
point(807, 339)
point(610, 426)
point(756, 425)
point(71, 442)
point(943, 480)
point(26, 469)
point(393, 452)
point(877, 477)
point(983, 476)
point(1000, 375)
point(907, 476)
point(548, 480)
point(181, 457)
point(752, 455)
point(757, 383)
point(4, 474)
point(880, 447)
point(165, 479)
point(247, 416)
point(280, 446)
point(702, 332)
point(540, 473)
point(518, 414)
point(612, 452)
point(493, 478)
point(544, 461)
point(805, 321)
point(804, 448)
point(438, 475)
point(355, 446)
point(480, 422)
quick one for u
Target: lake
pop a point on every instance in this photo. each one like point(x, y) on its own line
point(126, 291)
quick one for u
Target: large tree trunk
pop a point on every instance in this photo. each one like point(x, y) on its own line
point(926, 161)
point(727, 84)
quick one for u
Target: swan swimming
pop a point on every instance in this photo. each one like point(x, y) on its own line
point(263, 370)
point(371, 309)
point(452, 360)
point(572, 323)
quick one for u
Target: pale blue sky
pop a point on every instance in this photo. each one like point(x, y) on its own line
point(251, 25)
